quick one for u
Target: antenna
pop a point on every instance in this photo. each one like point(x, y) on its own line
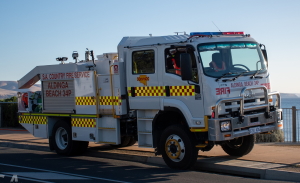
point(216, 26)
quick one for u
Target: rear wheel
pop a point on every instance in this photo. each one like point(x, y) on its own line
point(125, 140)
point(62, 139)
point(132, 141)
point(178, 147)
point(239, 146)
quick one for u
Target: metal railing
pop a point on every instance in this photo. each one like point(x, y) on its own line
point(291, 124)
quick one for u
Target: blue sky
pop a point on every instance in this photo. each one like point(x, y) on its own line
point(35, 32)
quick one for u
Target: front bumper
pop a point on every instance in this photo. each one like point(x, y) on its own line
point(240, 125)
point(240, 129)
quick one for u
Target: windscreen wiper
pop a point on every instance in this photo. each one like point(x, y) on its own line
point(233, 79)
point(226, 74)
point(254, 75)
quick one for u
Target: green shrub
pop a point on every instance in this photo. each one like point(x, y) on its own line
point(275, 136)
point(9, 112)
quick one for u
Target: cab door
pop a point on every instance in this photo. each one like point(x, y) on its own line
point(183, 93)
point(142, 77)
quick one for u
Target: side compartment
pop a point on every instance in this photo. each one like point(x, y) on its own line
point(108, 130)
point(83, 129)
point(34, 124)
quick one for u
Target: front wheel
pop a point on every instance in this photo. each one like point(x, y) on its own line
point(239, 146)
point(178, 147)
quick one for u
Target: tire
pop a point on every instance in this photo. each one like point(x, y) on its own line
point(125, 140)
point(178, 147)
point(239, 146)
point(208, 147)
point(131, 142)
point(62, 139)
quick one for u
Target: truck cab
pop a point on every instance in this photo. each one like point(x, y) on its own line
point(214, 84)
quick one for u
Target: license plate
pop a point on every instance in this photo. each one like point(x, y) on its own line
point(254, 130)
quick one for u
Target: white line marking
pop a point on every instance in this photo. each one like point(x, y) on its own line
point(62, 173)
point(28, 179)
point(46, 175)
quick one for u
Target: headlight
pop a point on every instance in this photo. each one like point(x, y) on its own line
point(225, 126)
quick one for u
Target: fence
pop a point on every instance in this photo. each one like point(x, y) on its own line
point(291, 124)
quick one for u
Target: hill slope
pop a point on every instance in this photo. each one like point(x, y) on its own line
point(10, 88)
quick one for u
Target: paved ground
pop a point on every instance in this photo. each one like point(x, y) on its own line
point(269, 160)
point(27, 167)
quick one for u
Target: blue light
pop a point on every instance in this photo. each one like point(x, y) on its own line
point(206, 33)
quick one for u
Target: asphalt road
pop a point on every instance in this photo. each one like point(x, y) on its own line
point(38, 166)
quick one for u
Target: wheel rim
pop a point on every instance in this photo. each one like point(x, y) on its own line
point(61, 138)
point(175, 148)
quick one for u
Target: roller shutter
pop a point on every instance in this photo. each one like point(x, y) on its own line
point(59, 95)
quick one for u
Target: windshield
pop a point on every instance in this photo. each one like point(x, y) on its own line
point(231, 59)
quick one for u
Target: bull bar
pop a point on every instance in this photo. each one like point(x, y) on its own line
point(267, 121)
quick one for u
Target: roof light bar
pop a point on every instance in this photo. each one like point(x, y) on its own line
point(205, 33)
point(216, 33)
point(233, 33)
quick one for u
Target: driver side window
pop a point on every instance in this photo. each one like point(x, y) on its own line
point(172, 62)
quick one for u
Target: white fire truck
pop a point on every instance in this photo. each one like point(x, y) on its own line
point(178, 94)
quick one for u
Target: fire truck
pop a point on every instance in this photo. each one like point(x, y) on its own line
point(177, 94)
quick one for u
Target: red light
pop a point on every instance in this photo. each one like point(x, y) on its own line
point(213, 114)
point(233, 33)
point(241, 33)
point(228, 33)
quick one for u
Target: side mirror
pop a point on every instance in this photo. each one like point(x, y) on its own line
point(264, 52)
point(186, 66)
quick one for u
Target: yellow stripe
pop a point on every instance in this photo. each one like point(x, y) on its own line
point(83, 122)
point(104, 100)
point(87, 100)
point(103, 128)
point(33, 119)
point(182, 90)
point(149, 91)
point(110, 100)
point(80, 115)
point(66, 115)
